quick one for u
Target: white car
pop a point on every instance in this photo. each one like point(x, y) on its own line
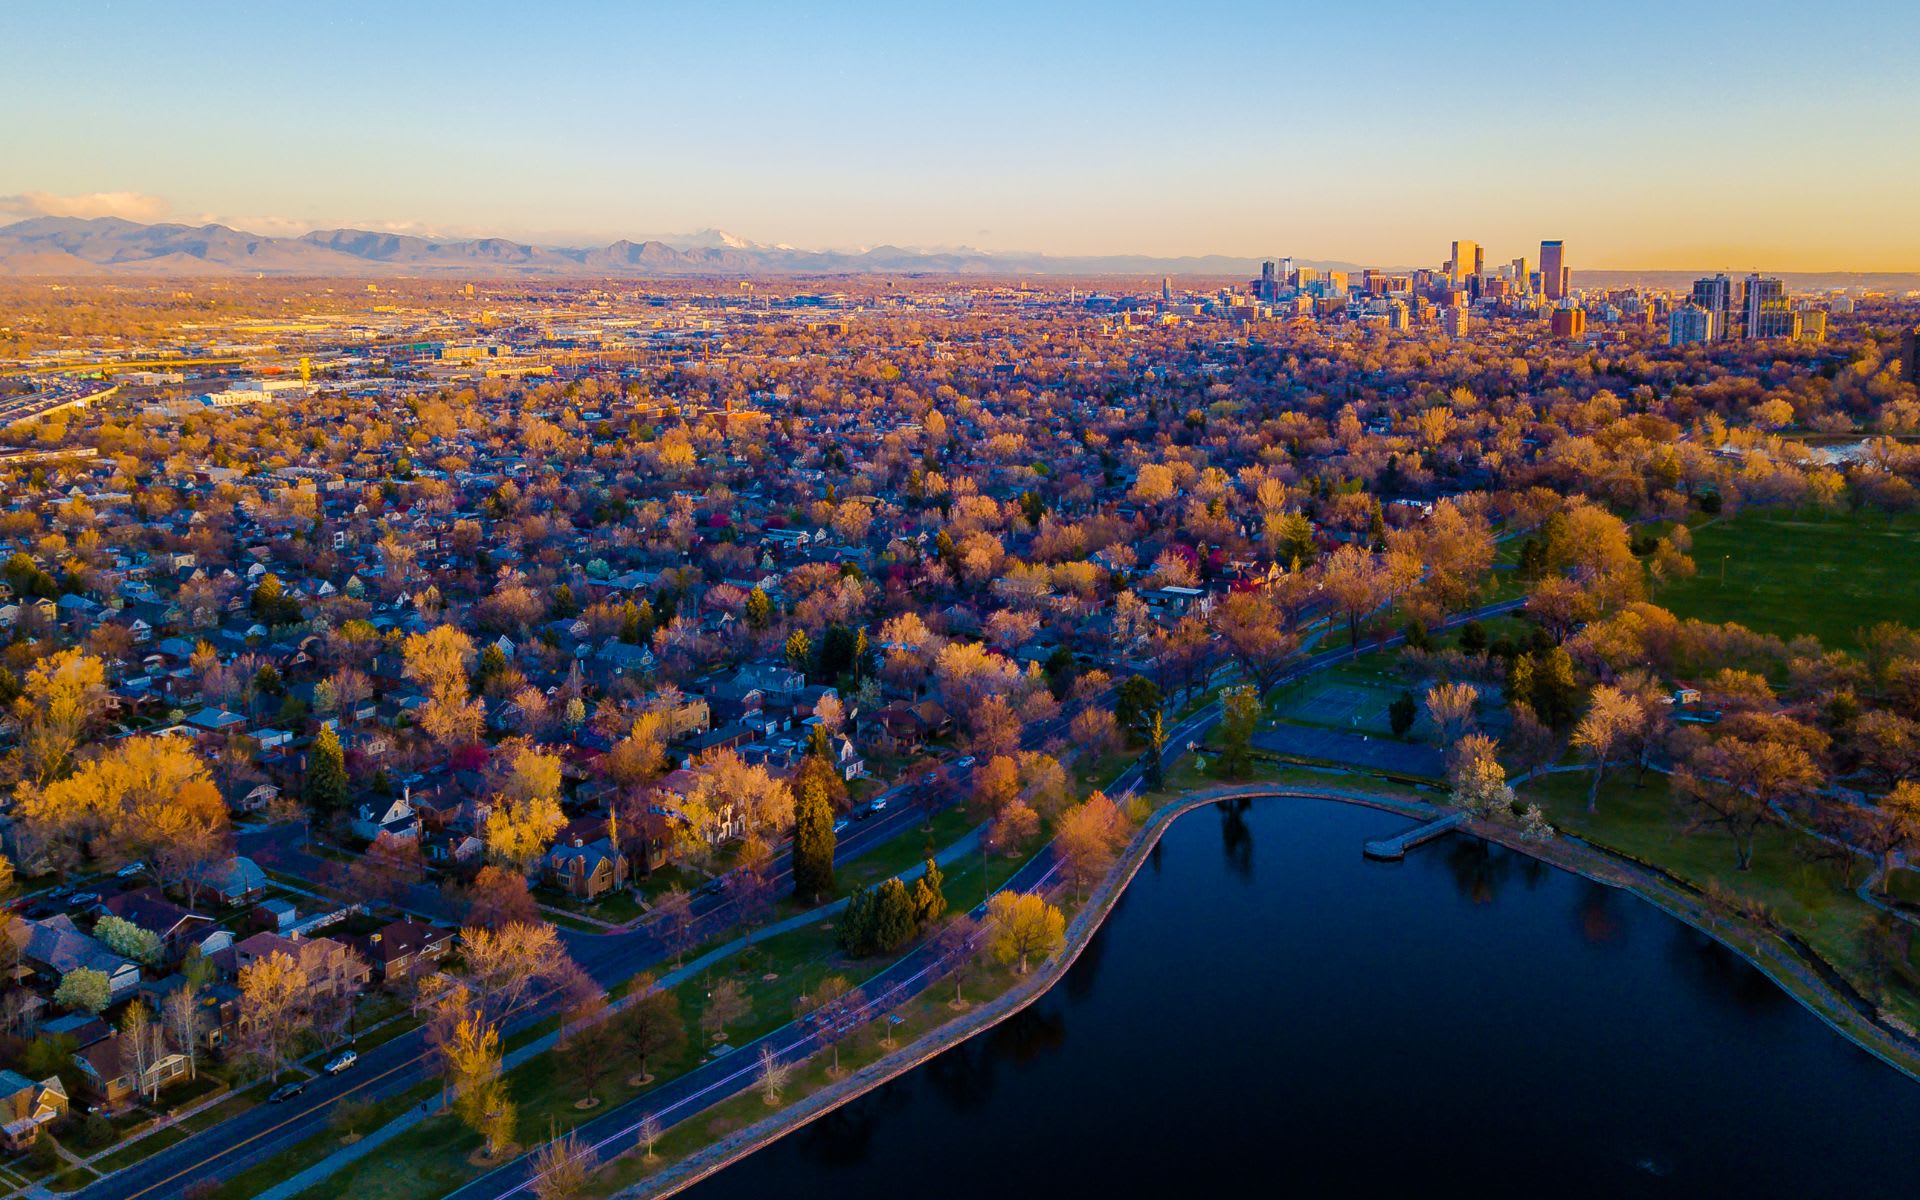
point(341, 1062)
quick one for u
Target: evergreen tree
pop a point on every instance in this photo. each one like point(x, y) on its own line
point(799, 650)
point(326, 773)
point(929, 901)
point(759, 609)
point(1137, 698)
point(855, 932)
point(1241, 709)
point(1402, 713)
point(893, 917)
point(1156, 745)
point(813, 836)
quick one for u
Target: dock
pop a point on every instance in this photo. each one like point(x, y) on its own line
point(1396, 847)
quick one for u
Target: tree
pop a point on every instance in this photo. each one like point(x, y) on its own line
point(84, 989)
point(1155, 773)
point(929, 896)
point(470, 1057)
point(1402, 713)
point(272, 1008)
point(1088, 840)
point(1734, 783)
point(327, 785)
point(499, 897)
point(1479, 781)
point(759, 610)
point(1356, 582)
point(1256, 633)
point(1899, 820)
point(799, 650)
point(1240, 715)
point(387, 872)
point(833, 1009)
point(526, 812)
point(957, 947)
point(438, 661)
point(813, 836)
point(561, 1167)
point(60, 700)
point(648, 1133)
point(727, 1004)
point(505, 965)
point(128, 940)
point(350, 1117)
point(1451, 706)
point(1135, 703)
point(672, 915)
point(180, 1012)
point(141, 797)
point(143, 1037)
point(774, 1075)
point(649, 1025)
point(1610, 725)
point(1022, 925)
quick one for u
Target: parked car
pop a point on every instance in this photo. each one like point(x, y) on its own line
point(880, 805)
point(840, 826)
point(286, 1091)
point(130, 870)
point(341, 1062)
point(712, 887)
point(964, 762)
point(84, 900)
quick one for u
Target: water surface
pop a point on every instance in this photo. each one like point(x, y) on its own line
point(1267, 1012)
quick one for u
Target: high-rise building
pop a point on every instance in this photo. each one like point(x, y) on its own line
point(1454, 322)
point(1520, 274)
point(1716, 296)
point(1166, 288)
point(1268, 288)
point(1690, 324)
point(1554, 275)
point(1812, 324)
point(1569, 322)
point(1396, 314)
point(1910, 355)
point(1764, 308)
point(1468, 258)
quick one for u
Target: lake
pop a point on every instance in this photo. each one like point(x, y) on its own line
point(1266, 1011)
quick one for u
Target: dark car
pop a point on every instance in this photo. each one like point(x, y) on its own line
point(286, 1091)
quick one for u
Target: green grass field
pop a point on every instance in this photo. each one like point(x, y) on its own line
point(1790, 573)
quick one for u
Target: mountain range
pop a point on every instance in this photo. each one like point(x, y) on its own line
point(111, 245)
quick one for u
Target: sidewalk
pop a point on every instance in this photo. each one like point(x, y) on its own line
point(346, 1155)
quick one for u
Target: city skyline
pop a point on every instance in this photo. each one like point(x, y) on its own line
point(1073, 132)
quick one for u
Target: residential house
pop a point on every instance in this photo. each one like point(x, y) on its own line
point(56, 946)
point(586, 870)
point(177, 929)
point(111, 1077)
point(26, 1106)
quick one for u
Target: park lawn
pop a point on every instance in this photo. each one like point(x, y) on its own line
point(430, 1159)
point(906, 849)
point(1794, 572)
point(1649, 824)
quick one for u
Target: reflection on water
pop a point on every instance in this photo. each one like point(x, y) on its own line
point(1475, 1023)
point(1236, 839)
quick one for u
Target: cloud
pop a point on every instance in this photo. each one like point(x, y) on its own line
point(134, 206)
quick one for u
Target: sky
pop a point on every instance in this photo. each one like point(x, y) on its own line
point(1697, 135)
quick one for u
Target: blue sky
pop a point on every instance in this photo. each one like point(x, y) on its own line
point(1646, 135)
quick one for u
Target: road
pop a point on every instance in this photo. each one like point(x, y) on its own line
point(398, 1065)
point(611, 958)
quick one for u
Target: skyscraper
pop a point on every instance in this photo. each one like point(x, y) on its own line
point(1268, 288)
point(1716, 296)
point(1765, 309)
point(1554, 275)
point(1166, 289)
point(1689, 324)
point(1468, 258)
